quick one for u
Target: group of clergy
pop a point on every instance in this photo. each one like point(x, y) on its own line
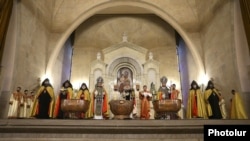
point(45, 104)
point(20, 104)
point(211, 104)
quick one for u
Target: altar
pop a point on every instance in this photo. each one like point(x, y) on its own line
point(125, 67)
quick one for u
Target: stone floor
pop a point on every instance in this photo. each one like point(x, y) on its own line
point(112, 130)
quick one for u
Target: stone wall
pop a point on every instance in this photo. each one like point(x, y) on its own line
point(34, 49)
point(31, 52)
point(219, 54)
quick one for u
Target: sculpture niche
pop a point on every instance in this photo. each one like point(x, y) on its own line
point(123, 107)
point(164, 106)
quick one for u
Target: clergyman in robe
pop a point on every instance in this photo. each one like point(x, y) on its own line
point(212, 99)
point(196, 104)
point(100, 101)
point(14, 103)
point(145, 96)
point(237, 109)
point(44, 101)
point(84, 94)
point(66, 92)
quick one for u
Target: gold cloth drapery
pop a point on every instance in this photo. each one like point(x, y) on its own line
point(5, 13)
point(245, 10)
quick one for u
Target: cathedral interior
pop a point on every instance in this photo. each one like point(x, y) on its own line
point(81, 40)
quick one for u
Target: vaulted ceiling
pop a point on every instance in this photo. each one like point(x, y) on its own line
point(57, 15)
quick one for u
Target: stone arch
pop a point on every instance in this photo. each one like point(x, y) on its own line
point(130, 63)
point(125, 62)
point(93, 10)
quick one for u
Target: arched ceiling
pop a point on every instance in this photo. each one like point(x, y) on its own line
point(57, 15)
point(64, 16)
point(147, 30)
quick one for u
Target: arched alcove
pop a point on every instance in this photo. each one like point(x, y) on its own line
point(121, 57)
point(142, 5)
point(134, 66)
